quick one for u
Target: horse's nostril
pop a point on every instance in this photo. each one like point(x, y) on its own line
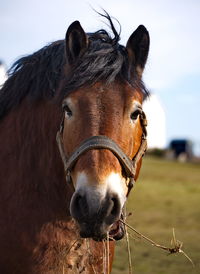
point(114, 210)
point(77, 201)
point(78, 206)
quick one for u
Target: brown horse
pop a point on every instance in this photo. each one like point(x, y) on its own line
point(60, 202)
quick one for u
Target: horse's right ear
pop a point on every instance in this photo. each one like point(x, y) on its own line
point(75, 42)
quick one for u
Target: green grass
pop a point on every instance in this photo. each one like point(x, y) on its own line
point(166, 196)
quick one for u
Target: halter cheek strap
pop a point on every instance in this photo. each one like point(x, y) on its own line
point(103, 142)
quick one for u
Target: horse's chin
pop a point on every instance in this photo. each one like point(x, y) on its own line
point(116, 232)
point(100, 232)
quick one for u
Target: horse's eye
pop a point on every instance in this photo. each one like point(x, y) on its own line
point(67, 110)
point(135, 114)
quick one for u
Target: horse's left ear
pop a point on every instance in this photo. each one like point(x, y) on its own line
point(75, 42)
point(138, 48)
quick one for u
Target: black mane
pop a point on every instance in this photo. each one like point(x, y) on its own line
point(37, 76)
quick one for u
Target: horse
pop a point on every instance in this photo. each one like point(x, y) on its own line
point(72, 137)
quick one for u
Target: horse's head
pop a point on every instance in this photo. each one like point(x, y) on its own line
point(106, 101)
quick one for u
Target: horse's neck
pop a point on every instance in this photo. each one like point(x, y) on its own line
point(30, 161)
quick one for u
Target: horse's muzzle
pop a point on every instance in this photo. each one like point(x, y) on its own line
point(97, 218)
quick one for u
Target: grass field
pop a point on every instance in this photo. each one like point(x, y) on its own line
point(166, 196)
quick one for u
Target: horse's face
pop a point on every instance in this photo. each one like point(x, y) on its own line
point(100, 187)
point(100, 183)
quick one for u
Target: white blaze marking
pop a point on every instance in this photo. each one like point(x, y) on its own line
point(97, 191)
point(115, 184)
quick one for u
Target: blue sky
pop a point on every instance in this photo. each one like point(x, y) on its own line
point(173, 68)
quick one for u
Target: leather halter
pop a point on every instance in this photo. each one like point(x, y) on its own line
point(103, 142)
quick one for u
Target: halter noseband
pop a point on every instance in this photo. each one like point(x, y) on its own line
point(103, 142)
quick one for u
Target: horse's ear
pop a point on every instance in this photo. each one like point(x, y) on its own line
point(138, 48)
point(75, 42)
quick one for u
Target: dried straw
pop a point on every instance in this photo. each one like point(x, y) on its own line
point(177, 245)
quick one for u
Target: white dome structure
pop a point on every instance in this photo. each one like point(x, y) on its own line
point(156, 129)
point(3, 74)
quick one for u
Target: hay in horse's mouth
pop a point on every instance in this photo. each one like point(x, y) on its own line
point(117, 231)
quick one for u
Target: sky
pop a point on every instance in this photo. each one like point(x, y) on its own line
point(172, 72)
